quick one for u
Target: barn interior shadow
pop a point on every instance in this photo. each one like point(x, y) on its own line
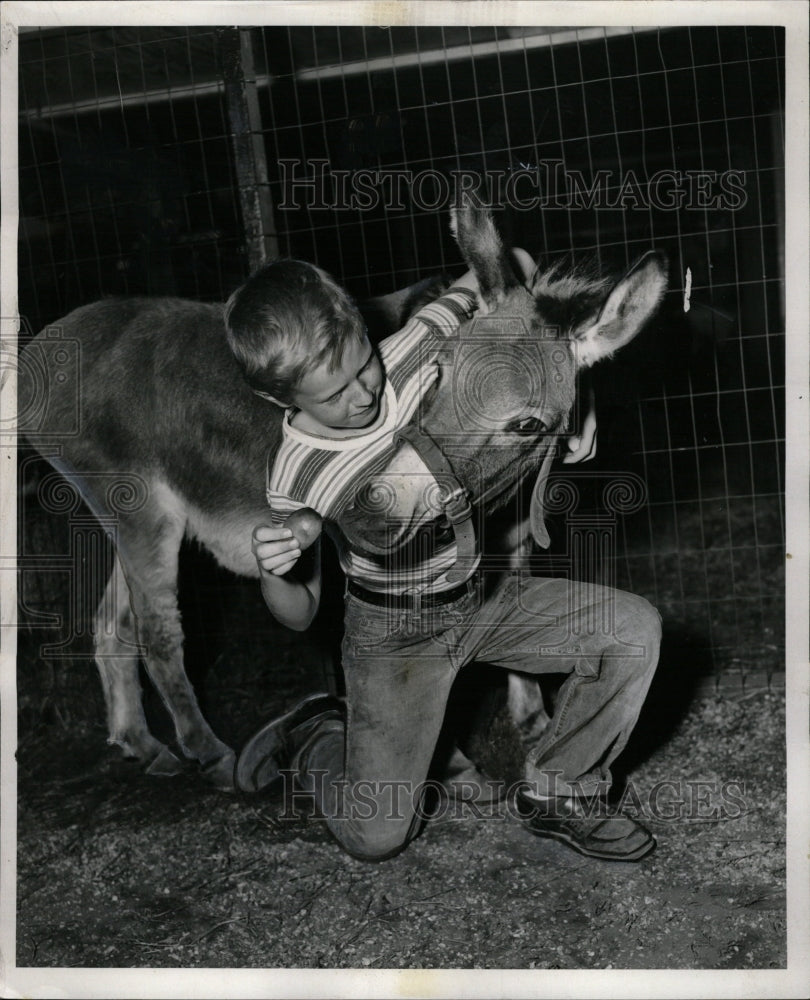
point(477, 718)
point(685, 670)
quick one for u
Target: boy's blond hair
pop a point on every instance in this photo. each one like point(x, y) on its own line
point(288, 318)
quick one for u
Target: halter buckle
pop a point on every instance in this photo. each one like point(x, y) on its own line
point(457, 505)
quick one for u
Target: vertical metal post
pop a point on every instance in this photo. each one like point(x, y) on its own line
point(239, 75)
point(777, 138)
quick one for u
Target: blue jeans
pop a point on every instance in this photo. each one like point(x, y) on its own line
point(399, 668)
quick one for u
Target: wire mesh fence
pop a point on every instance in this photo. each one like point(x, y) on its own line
point(140, 173)
point(126, 174)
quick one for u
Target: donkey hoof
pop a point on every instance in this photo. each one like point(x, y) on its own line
point(165, 764)
point(220, 772)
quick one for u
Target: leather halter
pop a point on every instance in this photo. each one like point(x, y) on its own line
point(457, 506)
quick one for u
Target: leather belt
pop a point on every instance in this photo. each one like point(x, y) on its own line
point(411, 602)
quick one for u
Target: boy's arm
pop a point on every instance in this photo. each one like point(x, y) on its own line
point(524, 268)
point(442, 317)
point(290, 578)
point(288, 554)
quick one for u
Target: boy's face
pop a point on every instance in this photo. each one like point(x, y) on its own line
point(349, 396)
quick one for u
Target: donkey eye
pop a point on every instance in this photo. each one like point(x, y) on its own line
point(527, 425)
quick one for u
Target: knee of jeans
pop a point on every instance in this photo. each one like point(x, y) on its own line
point(374, 845)
point(375, 857)
point(638, 619)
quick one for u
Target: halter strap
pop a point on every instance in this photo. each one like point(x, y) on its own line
point(456, 504)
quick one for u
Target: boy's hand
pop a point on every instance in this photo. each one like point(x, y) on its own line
point(276, 549)
point(582, 446)
point(524, 266)
point(523, 263)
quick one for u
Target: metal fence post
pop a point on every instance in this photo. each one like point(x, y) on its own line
point(242, 102)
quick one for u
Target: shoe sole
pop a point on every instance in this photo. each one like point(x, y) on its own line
point(562, 838)
point(264, 745)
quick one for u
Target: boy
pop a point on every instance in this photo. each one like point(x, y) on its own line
point(302, 344)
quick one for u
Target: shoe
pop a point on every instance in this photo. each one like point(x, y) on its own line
point(586, 826)
point(276, 744)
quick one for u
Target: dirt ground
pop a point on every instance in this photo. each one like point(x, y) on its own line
point(117, 869)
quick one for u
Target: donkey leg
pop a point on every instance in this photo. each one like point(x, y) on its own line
point(524, 699)
point(150, 561)
point(526, 707)
point(117, 661)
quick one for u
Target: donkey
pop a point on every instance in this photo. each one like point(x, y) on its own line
point(504, 394)
point(163, 407)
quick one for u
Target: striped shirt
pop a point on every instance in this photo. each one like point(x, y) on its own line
point(325, 473)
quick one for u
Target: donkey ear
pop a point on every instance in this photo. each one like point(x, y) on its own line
point(628, 307)
point(483, 250)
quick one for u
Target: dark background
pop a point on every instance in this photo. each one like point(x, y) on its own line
point(148, 164)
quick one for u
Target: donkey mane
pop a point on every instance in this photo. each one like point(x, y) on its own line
point(569, 293)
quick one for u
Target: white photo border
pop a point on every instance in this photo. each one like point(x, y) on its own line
point(792, 982)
